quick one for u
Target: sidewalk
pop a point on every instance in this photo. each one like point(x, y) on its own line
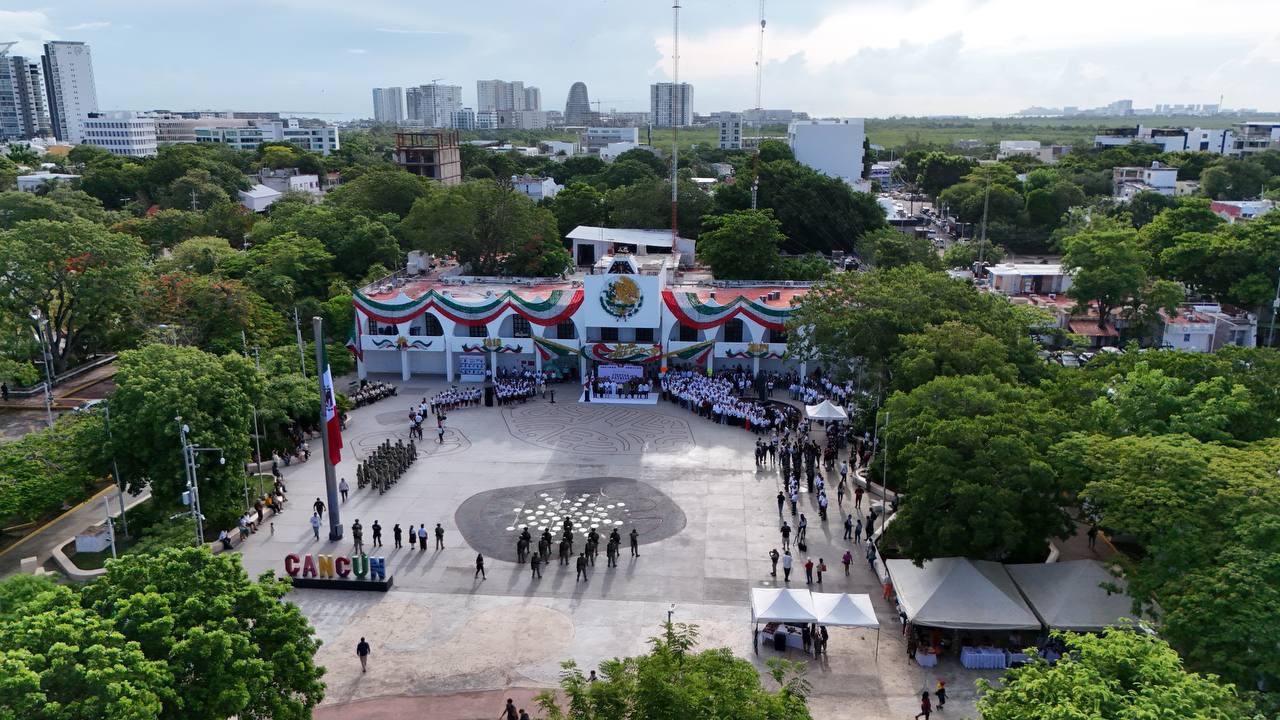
point(44, 541)
point(67, 396)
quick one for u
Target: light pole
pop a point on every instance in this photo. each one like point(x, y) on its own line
point(671, 611)
point(41, 324)
point(257, 437)
point(193, 480)
point(115, 469)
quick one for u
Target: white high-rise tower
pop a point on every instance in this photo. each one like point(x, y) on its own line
point(68, 76)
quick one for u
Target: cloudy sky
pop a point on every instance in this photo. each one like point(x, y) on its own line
point(832, 57)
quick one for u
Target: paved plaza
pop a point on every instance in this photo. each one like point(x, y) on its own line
point(447, 644)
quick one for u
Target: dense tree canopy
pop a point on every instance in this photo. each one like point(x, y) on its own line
point(355, 240)
point(742, 245)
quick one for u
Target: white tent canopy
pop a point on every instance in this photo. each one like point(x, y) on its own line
point(959, 593)
point(1068, 595)
point(781, 605)
point(825, 411)
point(845, 610)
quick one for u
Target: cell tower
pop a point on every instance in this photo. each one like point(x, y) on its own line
point(755, 158)
point(675, 122)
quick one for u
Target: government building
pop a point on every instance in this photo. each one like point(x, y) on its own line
point(628, 308)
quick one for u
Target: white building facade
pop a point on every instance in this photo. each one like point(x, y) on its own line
point(432, 105)
point(534, 188)
point(832, 147)
point(1158, 178)
point(71, 89)
point(670, 104)
point(388, 105)
point(323, 140)
point(465, 327)
point(730, 126)
point(127, 134)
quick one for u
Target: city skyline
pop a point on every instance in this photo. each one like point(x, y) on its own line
point(931, 57)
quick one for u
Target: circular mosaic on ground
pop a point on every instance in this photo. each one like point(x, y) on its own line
point(491, 521)
point(454, 441)
point(592, 429)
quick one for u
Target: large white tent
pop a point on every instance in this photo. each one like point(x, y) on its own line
point(1069, 595)
point(959, 593)
point(844, 610)
point(782, 605)
point(825, 410)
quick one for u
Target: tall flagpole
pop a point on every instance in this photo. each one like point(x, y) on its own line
point(330, 483)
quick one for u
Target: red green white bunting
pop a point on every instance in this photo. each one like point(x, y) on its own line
point(557, 308)
point(623, 352)
point(691, 311)
point(696, 352)
point(549, 349)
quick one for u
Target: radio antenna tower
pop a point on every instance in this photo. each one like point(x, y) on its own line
point(676, 119)
point(755, 159)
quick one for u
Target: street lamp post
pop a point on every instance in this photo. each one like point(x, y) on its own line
point(193, 480)
point(115, 468)
point(41, 324)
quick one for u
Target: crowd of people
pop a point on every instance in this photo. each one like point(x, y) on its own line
point(516, 389)
point(610, 388)
point(719, 398)
point(451, 399)
point(371, 392)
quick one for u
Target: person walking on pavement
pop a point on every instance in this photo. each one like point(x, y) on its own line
point(871, 556)
point(857, 497)
point(786, 535)
point(413, 538)
point(795, 499)
point(319, 507)
point(782, 500)
point(395, 534)
point(822, 567)
point(509, 712)
point(422, 537)
point(535, 566)
point(362, 652)
point(941, 692)
point(786, 566)
point(848, 526)
point(925, 706)
point(808, 571)
point(846, 559)
point(801, 528)
point(377, 534)
point(315, 524)
point(343, 488)
point(773, 559)
point(480, 567)
point(1093, 540)
point(357, 535)
point(439, 537)
point(635, 543)
point(582, 567)
point(857, 532)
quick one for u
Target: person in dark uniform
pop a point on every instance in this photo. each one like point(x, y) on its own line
point(582, 567)
point(395, 534)
point(362, 652)
point(377, 534)
point(480, 567)
point(357, 535)
point(635, 543)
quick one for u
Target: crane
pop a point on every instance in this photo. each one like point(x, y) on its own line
point(597, 104)
point(755, 159)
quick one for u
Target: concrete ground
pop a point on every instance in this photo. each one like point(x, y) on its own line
point(449, 645)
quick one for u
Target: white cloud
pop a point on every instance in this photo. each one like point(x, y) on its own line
point(30, 28)
point(95, 25)
point(410, 31)
point(356, 51)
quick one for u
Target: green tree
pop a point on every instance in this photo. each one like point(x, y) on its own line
point(977, 478)
point(644, 157)
point(46, 469)
point(8, 173)
point(1118, 675)
point(1149, 401)
point(888, 248)
point(355, 240)
point(158, 383)
point(774, 150)
point(1145, 206)
point(578, 204)
point(952, 348)
point(60, 661)
point(381, 191)
point(1108, 268)
point(232, 647)
point(742, 245)
point(164, 229)
point(673, 681)
point(964, 254)
point(16, 207)
point(647, 205)
point(197, 189)
point(83, 279)
point(968, 200)
point(1163, 231)
point(1236, 264)
point(483, 223)
point(1232, 179)
point(212, 312)
point(621, 173)
point(115, 182)
point(284, 269)
point(939, 171)
point(577, 168)
point(200, 255)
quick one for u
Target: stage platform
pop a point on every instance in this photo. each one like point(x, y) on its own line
point(595, 400)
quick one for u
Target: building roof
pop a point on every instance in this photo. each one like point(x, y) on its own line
point(1025, 269)
point(1089, 328)
point(258, 192)
point(627, 236)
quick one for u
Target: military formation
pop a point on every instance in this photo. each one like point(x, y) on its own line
point(384, 467)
